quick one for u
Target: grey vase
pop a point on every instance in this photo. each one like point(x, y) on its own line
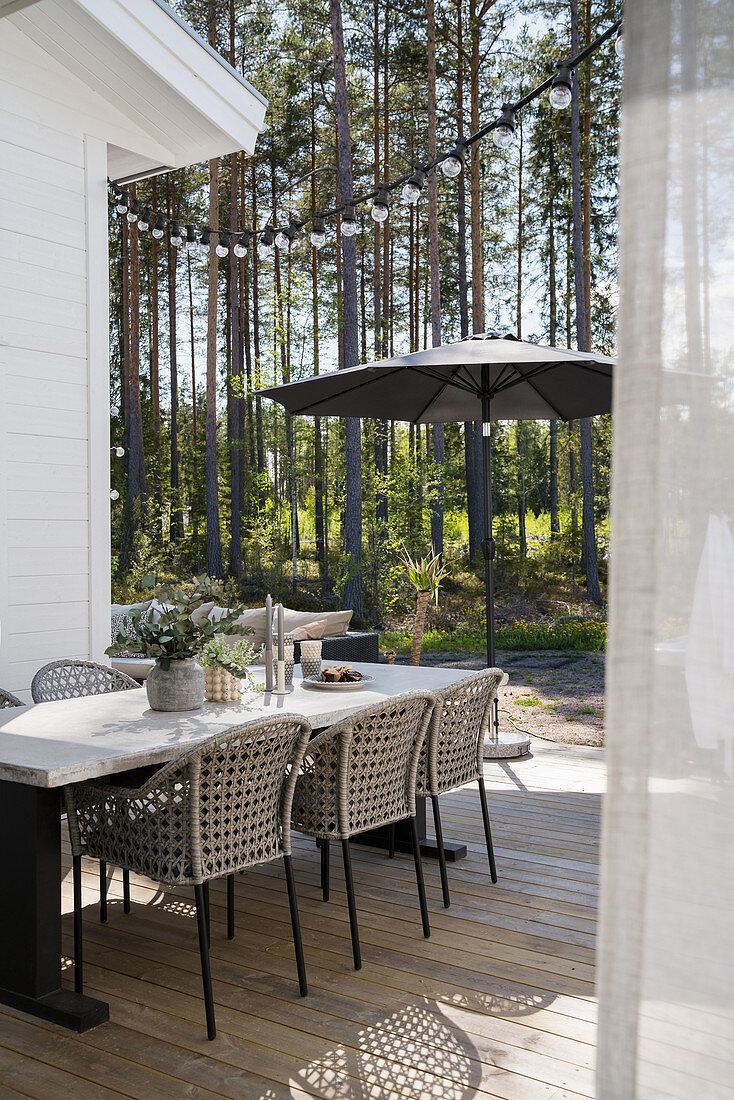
point(179, 687)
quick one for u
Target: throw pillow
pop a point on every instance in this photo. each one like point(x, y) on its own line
point(309, 630)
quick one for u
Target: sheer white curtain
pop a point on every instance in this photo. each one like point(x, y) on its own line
point(666, 955)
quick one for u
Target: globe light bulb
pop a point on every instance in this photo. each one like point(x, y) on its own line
point(349, 224)
point(119, 451)
point(176, 238)
point(222, 250)
point(560, 97)
point(191, 241)
point(145, 218)
point(619, 46)
point(132, 216)
point(114, 411)
point(318, 233)
point(160, 225)
point(240, 249)
point(504, 131)
point(121, 207)
point(281, 241)
point(264, 250)
point(381, 204)
point(411, 193)
point(114, 495)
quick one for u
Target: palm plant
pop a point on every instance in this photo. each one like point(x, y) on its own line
point(426, 575)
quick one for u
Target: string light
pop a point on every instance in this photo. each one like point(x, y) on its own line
point(114, 495)
point(318, 233)
point(240, 249)
point(451, 164)
point(503, 131)
point(114, 410)
point(349, 223)
point(381, 204)
point(412, 188)
point(265, 244)
point(119, 451)
point(191, 241)
point(560, 90)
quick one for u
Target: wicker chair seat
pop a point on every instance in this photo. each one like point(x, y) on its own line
point(215, 810)
point(452, 753)
point(360, 773)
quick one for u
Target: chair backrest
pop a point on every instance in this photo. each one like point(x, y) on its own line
point(453, 749)
point(7, 699)
point(68, 679)
point(360, 773)
point(226, 804)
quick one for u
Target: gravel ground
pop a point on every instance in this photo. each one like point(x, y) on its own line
point(559, 696)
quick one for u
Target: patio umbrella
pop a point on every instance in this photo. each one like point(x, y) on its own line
point(488, 375)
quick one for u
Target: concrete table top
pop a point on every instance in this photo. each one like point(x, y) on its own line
point(52, 744)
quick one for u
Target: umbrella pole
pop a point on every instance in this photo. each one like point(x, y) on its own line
point(488, 543)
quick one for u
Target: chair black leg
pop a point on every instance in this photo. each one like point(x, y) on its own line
point(325, 853)
point(207, 911)
point(353, 926)
point(206, 974)
point(419, 878)
point(296, 925)
point(230, 907)
point(78, 961)
point(125, 890)
point(391, 841)
point(441, 852)
point(102, 891)
point(487, 831)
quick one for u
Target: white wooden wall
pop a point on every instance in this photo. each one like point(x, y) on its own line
point(54, 373)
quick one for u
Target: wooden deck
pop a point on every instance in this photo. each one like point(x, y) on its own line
point(499, 1002)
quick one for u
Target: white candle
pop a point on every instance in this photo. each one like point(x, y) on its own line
point(281, 678)
point(281, 634)
point(269, 643)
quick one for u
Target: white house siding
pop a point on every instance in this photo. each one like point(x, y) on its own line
point(54, 389)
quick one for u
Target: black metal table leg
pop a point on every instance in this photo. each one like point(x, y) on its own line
point(30, 914)
point(380, 838)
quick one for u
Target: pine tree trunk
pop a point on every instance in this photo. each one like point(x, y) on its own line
point(133, 407)
point(176, 524)
point(419, 627)
point(155, 395)
point(435, 277)
point(350, 327)
point(194, 414)
point(211, 478)
point(237, 420)
point(593, 591)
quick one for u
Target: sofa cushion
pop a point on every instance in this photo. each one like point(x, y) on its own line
point(126, 608)
point(253, 617)
point(309, 630)
point(337, 622)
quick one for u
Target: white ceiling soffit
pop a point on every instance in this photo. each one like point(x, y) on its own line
point(144, 60)
point(8, 7)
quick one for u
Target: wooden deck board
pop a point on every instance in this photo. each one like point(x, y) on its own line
point(498, 1003)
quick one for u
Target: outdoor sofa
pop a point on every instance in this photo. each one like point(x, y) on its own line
point(338, 643)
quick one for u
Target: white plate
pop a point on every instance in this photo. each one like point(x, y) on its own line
point(314, 682)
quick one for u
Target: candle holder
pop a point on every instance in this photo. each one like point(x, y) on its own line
point(281, 687)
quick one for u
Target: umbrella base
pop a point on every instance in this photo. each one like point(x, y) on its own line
point(506, 746)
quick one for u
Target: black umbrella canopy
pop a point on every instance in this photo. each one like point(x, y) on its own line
point(522, 381)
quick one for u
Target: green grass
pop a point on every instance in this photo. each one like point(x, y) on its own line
point(578, 635)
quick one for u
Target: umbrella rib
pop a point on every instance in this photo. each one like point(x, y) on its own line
point(341, 393)
point(440, 378)
point(520, 377)
point(448, 381)
point(547, 400)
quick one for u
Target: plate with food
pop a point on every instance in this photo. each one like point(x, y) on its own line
point(339, 678)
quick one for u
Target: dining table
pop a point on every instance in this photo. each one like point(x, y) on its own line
point(45, 747)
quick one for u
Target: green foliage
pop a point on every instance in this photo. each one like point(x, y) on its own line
point(176, 634)
point(578, 635)
point(231, 656)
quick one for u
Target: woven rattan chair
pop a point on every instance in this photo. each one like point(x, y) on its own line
point(359, 775)
point(213, 811)
point(452, 753)
point(7, 699)
point(69, 679)
point(72, 679)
